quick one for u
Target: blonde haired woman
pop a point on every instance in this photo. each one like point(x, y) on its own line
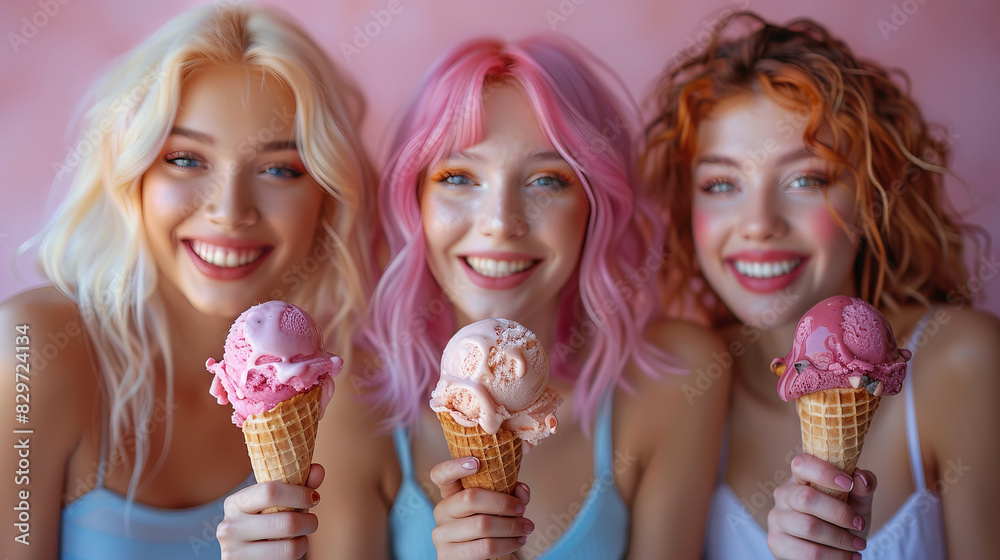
point(223, 170)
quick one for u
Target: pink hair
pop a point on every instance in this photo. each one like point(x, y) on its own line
point(608, 302)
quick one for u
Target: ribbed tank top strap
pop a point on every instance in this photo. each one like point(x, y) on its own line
point(401, 440)
point(604, 453)
point(912, 434)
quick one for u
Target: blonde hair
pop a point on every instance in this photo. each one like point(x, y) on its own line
point(93, 248)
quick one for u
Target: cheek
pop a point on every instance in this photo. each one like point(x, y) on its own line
point(822, 225)
point(705, 226)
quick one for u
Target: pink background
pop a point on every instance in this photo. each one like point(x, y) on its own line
point(950, 49)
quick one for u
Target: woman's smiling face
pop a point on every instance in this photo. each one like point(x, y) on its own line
point(504, 219)
point(764, 235)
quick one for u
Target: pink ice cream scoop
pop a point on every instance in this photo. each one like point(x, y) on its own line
point(494, 373)
point(274, 351)
point(842, 342)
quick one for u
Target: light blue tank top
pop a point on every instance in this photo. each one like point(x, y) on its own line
point(101, 525)
point(915, 532)
point(599, 531)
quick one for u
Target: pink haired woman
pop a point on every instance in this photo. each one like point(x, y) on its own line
point(511, 192)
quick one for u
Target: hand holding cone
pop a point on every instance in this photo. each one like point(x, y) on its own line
point(493, 400)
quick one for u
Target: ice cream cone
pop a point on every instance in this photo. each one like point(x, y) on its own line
point(280, 441)
point(834, 423)
point(499, 455)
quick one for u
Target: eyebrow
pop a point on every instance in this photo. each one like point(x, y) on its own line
point(193, 134)
point(273, 146)
point(783, 159)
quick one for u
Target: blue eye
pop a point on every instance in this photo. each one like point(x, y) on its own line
point(454, 178)
point(808, 181)
point(183, 159)
point(556, 181)
point(718, 186)
point(283, 171)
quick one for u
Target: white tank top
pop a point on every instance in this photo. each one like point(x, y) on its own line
point(915, 532)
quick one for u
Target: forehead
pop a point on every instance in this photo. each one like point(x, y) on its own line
point(233, 96)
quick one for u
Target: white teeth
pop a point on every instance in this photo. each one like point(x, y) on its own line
point(497, 269)
point(224, 257)
point(757, 269)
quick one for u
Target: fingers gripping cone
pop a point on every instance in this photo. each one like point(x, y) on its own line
point(499, 456)
point(834, 423)
point(280, 441)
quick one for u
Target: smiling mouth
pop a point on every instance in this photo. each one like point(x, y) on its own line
point(772, 269)
point(226, 257)
point(498, 269)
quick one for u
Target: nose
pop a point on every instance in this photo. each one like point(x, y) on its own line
point(762, 218)
point(502, 214)
point(229, 199)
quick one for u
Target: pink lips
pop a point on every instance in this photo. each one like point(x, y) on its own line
point(499, 283)
point(226, 273)
point(766, 271)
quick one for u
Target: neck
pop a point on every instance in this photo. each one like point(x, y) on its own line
point(194, 337)
point(760, 347)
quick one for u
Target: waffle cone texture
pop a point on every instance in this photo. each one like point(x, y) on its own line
point(834, 423)
point(280, 441)
point(499, 456)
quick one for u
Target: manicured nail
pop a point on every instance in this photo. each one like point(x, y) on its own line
point(855, 556)
point(859, 523)
point(519, 509)
point(315, 497)
point(470, 465)
point(859, 543)
point(524, 487)
point(844, 482)
point(523, 540)
point(528, 527)
point(864, 480)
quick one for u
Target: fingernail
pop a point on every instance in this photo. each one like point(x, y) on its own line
point(524, 487)
point(864, 480)
point(523, 540)
point(855, 556)
point(315, 497)
point(519, 509)
point(470, 465)
point(844, 482)
point(859, 543)
point(859, 523)
point(528, 527)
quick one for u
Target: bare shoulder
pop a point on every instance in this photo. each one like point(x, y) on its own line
point(44, 329)
point(962, 342)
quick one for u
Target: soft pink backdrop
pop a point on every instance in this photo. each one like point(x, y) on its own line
point(950, 49)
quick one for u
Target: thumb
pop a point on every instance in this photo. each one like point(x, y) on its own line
point(316, 475)
point(447, 475)
point(862, 496)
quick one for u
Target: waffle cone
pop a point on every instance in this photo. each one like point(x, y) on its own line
point(834, 423)
point(280, 441)
point(499, 456)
